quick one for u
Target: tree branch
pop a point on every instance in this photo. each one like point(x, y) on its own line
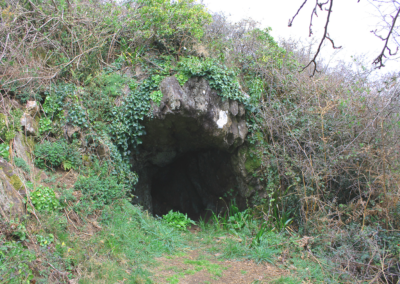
point(379, 59)
point(325, 36)
point(298, 11)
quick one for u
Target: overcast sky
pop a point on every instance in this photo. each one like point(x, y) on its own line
point(350, 24)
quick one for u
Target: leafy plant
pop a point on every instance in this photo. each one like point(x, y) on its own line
point(45, 125)
point(178, 220)
point(156, 97)
point(4, 151)
point(77, 116)
point(45, 240)
point(182, 78)
point(44, 199)
point(20, 230)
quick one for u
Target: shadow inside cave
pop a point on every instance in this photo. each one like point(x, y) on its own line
point(193, 183)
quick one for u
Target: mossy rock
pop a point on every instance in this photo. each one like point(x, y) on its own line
point(252, 161)
point(29, 142)
point(16, 182)
point(252, 164)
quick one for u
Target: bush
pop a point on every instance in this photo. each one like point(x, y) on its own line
point(98, 192)
point(172, 24)
point(54, 154)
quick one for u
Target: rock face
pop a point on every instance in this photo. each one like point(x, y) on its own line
point(190, 155)
point(29, 123)
point(11, 202)
point(194, 117)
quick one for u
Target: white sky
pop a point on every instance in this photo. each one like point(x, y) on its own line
point(349, 27)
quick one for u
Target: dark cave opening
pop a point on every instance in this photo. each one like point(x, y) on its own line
point(192, 183)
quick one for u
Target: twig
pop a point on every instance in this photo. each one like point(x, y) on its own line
point(325, 36)
point(5, 47)
point(379, 59)
point(298, 11)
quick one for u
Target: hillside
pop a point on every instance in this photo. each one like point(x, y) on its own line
point(151, 141)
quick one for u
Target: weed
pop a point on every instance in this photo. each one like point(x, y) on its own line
point(178, 220)
point(212, 268)
point(45, 240)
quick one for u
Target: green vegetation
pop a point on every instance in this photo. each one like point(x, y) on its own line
point(325, 149)
point(178, 220)
point(55, 154)
point(44, 199)
point(4, 151)
point(19, 162)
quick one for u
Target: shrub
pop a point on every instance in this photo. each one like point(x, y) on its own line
point(173, 24)
point(99, 191)
point(55, 154)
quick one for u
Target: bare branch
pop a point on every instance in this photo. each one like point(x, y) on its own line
point(298, 11)
point(325, 36)
point(379, 60)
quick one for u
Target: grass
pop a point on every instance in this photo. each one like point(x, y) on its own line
point(136, 238)
point(126, 248)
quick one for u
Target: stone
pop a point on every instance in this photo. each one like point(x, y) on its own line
point(11, 202)
point(193, 110)
point(32, 108)
point(30, 124)
point(70, 130)
point(20, 149)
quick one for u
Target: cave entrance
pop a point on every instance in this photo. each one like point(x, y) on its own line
point(189, 156)
point(192, 183)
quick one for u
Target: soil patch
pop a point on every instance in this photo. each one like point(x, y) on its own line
point(195, 266)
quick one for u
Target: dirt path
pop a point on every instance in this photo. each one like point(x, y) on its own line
point(195, 266)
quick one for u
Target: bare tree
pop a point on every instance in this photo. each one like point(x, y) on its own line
point(388, 30)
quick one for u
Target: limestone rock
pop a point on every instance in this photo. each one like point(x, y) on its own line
point(32, 108)
point(20, 149)
point(195, 116)
point(30, 124)
point(11, 202)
